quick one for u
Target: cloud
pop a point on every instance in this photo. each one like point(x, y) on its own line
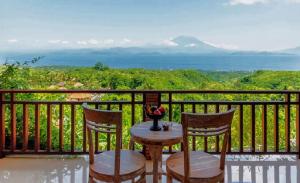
point(65, 42)
point(12, 40)
point(57, 41)
point(93, 41)
point(169, 42)
point(126, 41)
point(54, 41)
point(293, 1)
point(248, 2)
point(223, 45)
point(82, 42)
point(109, 41)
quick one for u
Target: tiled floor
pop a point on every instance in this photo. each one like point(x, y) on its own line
point(66, 169)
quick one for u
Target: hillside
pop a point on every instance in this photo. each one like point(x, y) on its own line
point(95, 78)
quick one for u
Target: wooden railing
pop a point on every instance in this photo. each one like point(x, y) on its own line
point(45, 122)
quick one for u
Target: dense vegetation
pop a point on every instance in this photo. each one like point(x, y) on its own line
point(21, 76)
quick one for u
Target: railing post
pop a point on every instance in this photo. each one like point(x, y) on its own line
point(298, 124)
point(241, 123)
point(287, 121)
point(2, 125)
point(253, 128)
point(25, 127)
point(276, 127)
point(37, 128)
point(49, 125)
point(13, 122)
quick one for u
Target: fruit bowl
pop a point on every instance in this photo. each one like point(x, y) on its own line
point(156, 113)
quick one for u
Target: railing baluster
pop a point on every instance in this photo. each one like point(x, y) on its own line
point(229, 138)
point(276, 128)
point(108, 134)
point(241, 120)
point(73, 113)
point(265, 173)
point(194, 138)
point(217, 109)
point(132, 109)
point(288, 173)
point(170, 114)
point(241, 173)
point(133, 112)
point(84, 133)
point(181, 111)
point(253, 128)
point(61, 127)
point(37, 128)
point(264, 128)
point(276, 174)
point(287, 122)
point(2, 125)
point(25, 127)
point(205, 138)
point(253, 173)
point(49, 134)
point(229, 173)
point(13, 122)
point(170, 107)
point(121, 108)
point(97, 134)
point(181, 107)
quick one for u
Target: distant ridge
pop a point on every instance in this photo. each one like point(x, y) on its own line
point(187, 49)
point(295, 50)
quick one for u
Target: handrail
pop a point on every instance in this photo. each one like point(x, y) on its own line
point(155, 91)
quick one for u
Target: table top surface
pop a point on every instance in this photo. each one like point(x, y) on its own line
point(141, 133)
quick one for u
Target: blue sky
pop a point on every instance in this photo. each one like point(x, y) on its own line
point(233, 24)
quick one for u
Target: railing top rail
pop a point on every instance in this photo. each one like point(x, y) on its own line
point(163, 102)
point(157, 91)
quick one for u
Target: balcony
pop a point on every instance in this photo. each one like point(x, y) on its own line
point(36, 124)
point(65, 169)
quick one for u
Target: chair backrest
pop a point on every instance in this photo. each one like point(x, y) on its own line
point(104, 121)
point(150, 99)
point(210, 124)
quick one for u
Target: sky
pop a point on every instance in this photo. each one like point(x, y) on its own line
point(230, 24)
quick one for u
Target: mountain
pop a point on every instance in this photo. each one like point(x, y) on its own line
point(292, 51)
point(192, 44)
point(178, 45)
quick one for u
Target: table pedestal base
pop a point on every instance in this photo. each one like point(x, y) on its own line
point(156, 156)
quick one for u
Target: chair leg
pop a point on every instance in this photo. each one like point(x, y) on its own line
point(169, 178)
point(144, 177)
point(91, 179)
point(131, 144)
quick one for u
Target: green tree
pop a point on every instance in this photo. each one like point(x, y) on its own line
point(100, 66)
point(14, 75)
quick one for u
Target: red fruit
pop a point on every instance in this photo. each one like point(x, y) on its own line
point(161, 109)
point(157, 112)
